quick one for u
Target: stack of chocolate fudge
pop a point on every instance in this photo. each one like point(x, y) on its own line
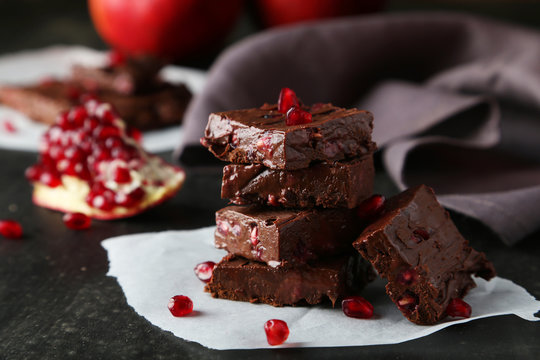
point(296, 177)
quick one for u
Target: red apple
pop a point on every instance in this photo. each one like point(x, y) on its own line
point(280, 12)
point(164, 28)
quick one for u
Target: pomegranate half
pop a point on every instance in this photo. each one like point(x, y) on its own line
point(89, 163)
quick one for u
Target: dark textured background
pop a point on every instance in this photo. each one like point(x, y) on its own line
point(57, 303)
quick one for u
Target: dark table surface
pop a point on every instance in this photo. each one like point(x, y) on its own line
point(56, 301)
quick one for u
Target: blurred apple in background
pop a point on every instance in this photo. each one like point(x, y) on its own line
point(281, 12)
point(171, 29)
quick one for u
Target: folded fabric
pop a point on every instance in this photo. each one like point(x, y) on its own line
point(456, 101)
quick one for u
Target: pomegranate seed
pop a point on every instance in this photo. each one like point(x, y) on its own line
point(406, 277)
point(108, 116)
point(77, 221)
point(357, 307)
point(106, 131)
point(272, 200)
point(458, 308)
point(204, 270)
point(10, 229)
point(91, 123)
point(419, 235)
point(408, 302)
point(222, 227)
point(116, 58)
point(136, 134)
point(276, 331)
point(113, 142)
point(254, 236)
point(297, 116)
point(371, 207)
point(264, 144)
point(49, 179)
point(287, 99)
point(102, 200)
point(33, 173)
point(121, 175)
point(180, 305)
point(9, 127)
point(130, 199)
point(78, 115)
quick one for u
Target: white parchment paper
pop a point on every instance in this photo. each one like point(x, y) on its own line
point(153, 267)
point(32, 66)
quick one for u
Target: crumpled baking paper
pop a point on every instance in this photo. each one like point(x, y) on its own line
point(153, 267)
point(32, 66)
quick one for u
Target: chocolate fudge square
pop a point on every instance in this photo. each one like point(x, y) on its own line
point(280, 236)
point(236, 278)
point(261, 136)
point(328, 184)
point(415, 245)
point(44, 101)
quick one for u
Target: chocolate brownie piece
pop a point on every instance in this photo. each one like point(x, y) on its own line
point(134, 76)
point(330, 185)
point(279, 236)
point(415, 245)
point(236, 278)
point(261, 136)
point(43, 102)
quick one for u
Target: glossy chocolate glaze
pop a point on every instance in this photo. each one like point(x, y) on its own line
point(236, 278)
point(336, 184)
point(441, 259)
point(261, 136)
point(280, 236)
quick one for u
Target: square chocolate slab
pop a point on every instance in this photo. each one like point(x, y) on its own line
point(415, 245)
point(280, 236)
point(261, 136)
point(330, 185)
point(236, 278)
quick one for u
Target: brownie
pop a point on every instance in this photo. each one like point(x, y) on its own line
point(415, 245)
point(279, 236)
point(261, 136)
point(134, 76)
point(236, 278)
point(43, 102)
point(328, 184)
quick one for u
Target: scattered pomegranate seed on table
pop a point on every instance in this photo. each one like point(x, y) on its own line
point(287, 99)
point(276, 331)
point(205, 270)
point(458, 308)
point(357, 307)
point(180, 305)
point(371, 207)
point(297, 116)
point(10, 229)
point(77, 221)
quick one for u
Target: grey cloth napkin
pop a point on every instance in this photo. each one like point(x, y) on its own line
point(456, 101)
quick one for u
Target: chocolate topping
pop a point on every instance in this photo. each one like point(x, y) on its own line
point(415, 245)
point(236, 278)
point(279, 236)
point(261, 136)
point(330, 185)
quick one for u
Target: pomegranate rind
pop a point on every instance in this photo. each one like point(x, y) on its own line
point(71, 197)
